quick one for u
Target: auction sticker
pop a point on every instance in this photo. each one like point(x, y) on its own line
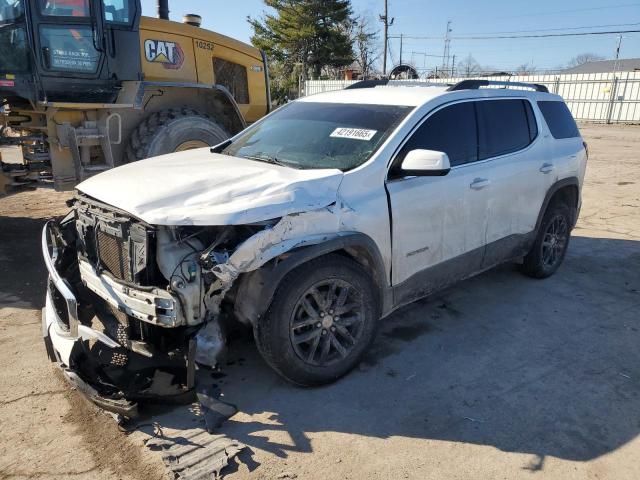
point(353, 133)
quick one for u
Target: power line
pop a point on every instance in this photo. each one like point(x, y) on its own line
point(557, 29)
point(587, 9)
point(498, 37)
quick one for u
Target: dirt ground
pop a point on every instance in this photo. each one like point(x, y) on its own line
point(500, 377)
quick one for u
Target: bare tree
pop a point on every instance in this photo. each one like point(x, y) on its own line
point(365, 40)
point(525, 69)
point(584, 58)
point(469, 66)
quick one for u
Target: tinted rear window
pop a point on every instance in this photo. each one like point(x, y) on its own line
point(503, 127)
point(559, 119)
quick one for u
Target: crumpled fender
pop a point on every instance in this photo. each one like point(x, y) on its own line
point(290, 232)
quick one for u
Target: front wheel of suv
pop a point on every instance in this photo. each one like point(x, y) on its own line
point(551, 243)
point(321, 321)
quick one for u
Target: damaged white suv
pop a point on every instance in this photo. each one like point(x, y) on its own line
point(310, 226)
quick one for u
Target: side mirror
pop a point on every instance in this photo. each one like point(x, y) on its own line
point(426, 163)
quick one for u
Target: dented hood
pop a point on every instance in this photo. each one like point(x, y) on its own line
point(198, 187)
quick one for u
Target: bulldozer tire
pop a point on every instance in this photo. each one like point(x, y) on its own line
point(171, 131)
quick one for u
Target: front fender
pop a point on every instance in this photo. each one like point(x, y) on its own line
point(257, 288)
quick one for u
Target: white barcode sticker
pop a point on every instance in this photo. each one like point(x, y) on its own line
point(354, 133)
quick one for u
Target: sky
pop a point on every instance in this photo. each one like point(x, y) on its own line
point(468, 17)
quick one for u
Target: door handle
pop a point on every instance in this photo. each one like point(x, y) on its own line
point(479, 183)
point(547, 168)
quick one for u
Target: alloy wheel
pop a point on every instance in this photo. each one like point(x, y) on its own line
point(554, 241)
point(327, 322)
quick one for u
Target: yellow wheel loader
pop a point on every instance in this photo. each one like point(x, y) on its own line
point(87, 85)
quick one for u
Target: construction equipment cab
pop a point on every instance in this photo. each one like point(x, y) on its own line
point(87, 85)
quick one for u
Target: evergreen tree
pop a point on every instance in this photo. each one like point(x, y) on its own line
point(304, 36)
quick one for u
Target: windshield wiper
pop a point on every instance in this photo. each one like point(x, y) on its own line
point(267, 159)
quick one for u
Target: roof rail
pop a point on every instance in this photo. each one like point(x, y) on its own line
point(368, 84)
point(476, 84)
point(395, 83)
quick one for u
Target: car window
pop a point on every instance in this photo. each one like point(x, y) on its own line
point(503, 127)
point(559, 119)
point(451, 130)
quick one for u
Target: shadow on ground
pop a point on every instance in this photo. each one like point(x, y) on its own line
point(539, 367)
point(23, 274)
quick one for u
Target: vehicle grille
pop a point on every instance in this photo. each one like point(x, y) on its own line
point(114, 255)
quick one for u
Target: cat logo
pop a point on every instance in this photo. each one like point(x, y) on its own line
point(168, 53)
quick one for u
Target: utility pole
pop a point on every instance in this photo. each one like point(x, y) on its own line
point(387, 23)
point(615, 64)
point(401, 42)
point(453, 66)
point(447, 43)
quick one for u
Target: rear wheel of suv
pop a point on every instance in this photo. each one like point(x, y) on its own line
point(321, 321)
point(551, 243)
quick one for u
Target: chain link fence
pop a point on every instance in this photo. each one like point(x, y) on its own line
point(592, 97)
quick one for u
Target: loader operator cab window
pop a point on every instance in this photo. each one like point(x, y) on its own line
point(67, 46)
point(118, 11)
point(65, 8)
point(14, 50)
point(10, 10)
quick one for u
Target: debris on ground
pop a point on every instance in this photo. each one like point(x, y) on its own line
point(287, 475)
point(215, 411)
point(195, 454)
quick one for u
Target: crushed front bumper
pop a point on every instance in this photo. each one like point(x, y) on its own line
point(72, 344)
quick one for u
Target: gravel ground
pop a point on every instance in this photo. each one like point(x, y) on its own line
point(500, 377)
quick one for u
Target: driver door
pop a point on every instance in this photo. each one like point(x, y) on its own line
point(438, 223)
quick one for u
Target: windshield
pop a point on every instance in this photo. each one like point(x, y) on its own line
point(10, 10)
point(309, 135)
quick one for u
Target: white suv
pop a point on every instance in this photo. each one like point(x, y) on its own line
point(310, 226)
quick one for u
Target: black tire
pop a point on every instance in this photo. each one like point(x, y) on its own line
point(169, 130)
point(551, 242)
point(277, 336)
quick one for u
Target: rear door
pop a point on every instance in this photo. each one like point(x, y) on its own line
point(438, 223)
point(567, 155)
point(507, 132)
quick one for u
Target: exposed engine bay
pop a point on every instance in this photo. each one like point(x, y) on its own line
point(150, 289)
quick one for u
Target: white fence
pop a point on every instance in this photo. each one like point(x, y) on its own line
point(593, 97)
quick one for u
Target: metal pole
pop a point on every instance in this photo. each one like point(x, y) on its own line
point(447, 41)
point(614, 92)
point(387, 23)
point(401, 41)
point(614, 86)
point(615, 64)
point(163, 9)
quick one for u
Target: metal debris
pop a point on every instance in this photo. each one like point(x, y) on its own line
point(215, 411)
point(195, 454)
